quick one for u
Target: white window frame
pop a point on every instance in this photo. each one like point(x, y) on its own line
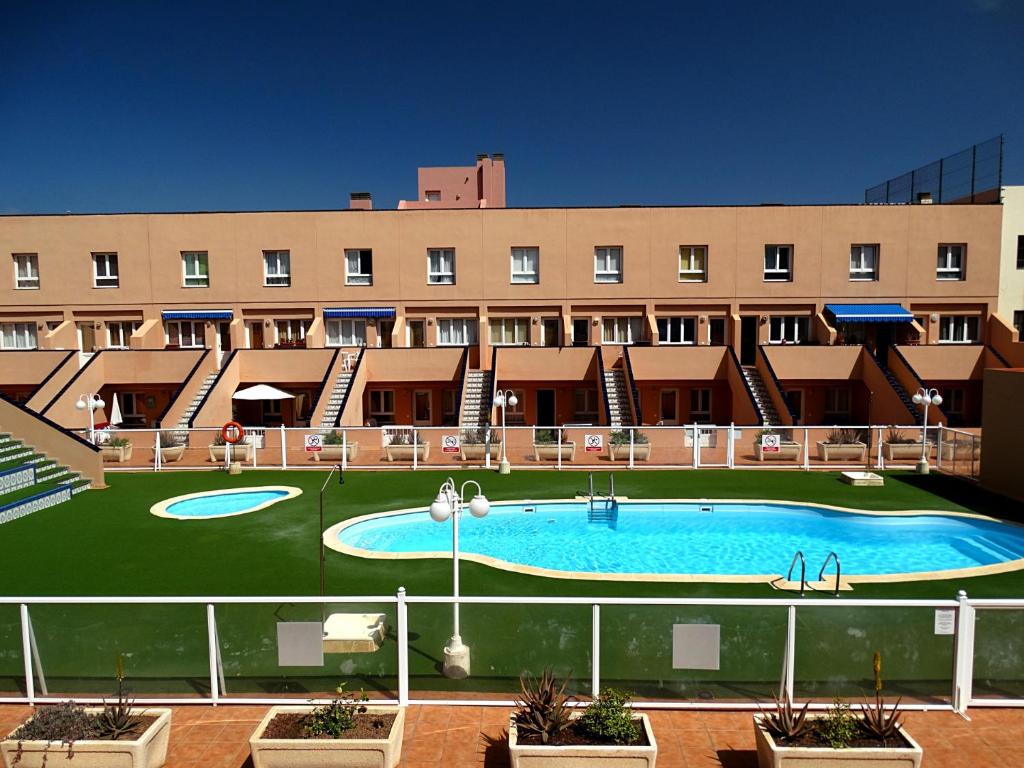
point(676, 330)
point(773, 271)
point(544, 340)
point(197, 333)
point(528, 273)
point(700, 415)
point(951, 326)
point(277, 269)
point(833, 404)
point(864, 262)
point(462, 327)
point(591, 405)
point(193, 278)
point(20, 336)
point(291, 326)
point(346, 332)
point(27, 279)
point(129, 404)
point(625, 330)
point(950, 253)
point(361, 275)
point(689, 257)
point(440, 275)
point(124, 331)
point(514, 331)
point(432, 196)
point(605, 269)
point(795, 329)
point(110, 275)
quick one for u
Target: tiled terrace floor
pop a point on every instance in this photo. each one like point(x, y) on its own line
point(472, 737)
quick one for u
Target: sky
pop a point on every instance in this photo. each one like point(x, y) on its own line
point(181, 106)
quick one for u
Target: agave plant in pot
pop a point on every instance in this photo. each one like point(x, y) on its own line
point(842, 445)
point(117, 449)
point(172, 446)
point(898, 446)
point(240, 451)
point(546, 731)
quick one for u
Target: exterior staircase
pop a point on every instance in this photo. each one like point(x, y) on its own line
point(615, 390)
point(765, 407)
point(916, 413)
point(336, 399)
point(196, 402)
point(30, 482)
point(476, 403)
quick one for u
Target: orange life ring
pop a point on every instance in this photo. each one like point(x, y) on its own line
point(239, 432)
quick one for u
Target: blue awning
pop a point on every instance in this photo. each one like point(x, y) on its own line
point(869, 313)
point(360, 312)
point(197, 314)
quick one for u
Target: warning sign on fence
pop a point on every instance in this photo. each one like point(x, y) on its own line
point(449, 444)
point(593, 443)
point(314, 443)
point(770, 443)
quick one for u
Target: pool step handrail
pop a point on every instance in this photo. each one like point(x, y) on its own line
point(803, 571)
point(839, 570)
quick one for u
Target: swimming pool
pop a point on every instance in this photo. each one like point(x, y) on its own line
point(223, 503)
point(730, 540)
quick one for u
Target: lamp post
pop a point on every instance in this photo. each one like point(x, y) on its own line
point(925, 397)
point(448, 504)
point(503, 399)
point(92, 402)
point(320, 538)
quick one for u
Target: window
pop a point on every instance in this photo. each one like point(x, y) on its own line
point(621, 330)
point(516, 414)
point(837, 405)
point(359, 266)
point(953, 401)
point(787, 330)
point(550, 332)
point(432, 196)
point(1020, 251)
point(119, 332)
point(700, 406)
point(863, 262)
point(580, 331)
point(510, 330)
point(277, 269)
point(26, 271)
point(526, 265)
point(104, 270)
point(677, 330)
point(129, 404)
point(608, 264)
point(195, 267)
point(292, 333)
point(778, 262)
point(17, 335)
point(1018, 322)
point(951, 262)
point(382, 406)
point(716, 331)
point(449, 408)
point(958, 329)
point(693, 264)
point(456, 331)
point(585, 405)
point(346, 333)
point(441, 266)
point(186, 334)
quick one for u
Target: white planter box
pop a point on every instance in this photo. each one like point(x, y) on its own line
point(786, 452)
point(841, 451)
point(769, 755)
point(118, 454)
point(604, 756)
point(404, 452)
point(549, 451)
point(326, 753)
point(904, 451)
point(171, 453)
point(620, 452)
point(148, 751)
point(333, 452)
point(961, 450)
point(240, 452)
point(477, 451)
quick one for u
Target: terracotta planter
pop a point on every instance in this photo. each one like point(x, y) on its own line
point(333, 452)
point(313, 753)
point(620, 451)
point(171, 453)
point(405, 452)
point(549, 451)
point(240, 452)
point(787, 452)
point(600, 756)
point(478, 451)
point(118, 453)
point(147, 751)
point(841, 451)
point(770, 755)
point(904, 451)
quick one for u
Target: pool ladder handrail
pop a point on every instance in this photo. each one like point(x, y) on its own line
point(803, 571)
point(592, 494)
point(839, 570)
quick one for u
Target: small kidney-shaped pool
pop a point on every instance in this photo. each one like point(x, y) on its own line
point(717, 539)
point(223, 503)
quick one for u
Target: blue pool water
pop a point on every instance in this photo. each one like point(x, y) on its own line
point(223, 504)
point(739, 539)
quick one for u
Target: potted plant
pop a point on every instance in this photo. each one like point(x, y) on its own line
point(618, 445)
point(842, 445)
point(545, 731)
point(172, 447)
point(332, 446)
point(240, 451)
point(897, 446)
point(474, 445)
point(118, 733)
point(545, 445)
point(789, 449)
point(345, 732)
point(402, 445)
point(117, 449)
point(875, 737)
point(961, 448)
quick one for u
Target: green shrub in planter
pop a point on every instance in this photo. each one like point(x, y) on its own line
point(609, 718)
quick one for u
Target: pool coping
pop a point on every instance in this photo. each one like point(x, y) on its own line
point(331, 541)
point(160, 508)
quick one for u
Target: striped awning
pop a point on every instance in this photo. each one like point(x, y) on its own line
point(197, 314)
point(869, 313)
point(360, 312)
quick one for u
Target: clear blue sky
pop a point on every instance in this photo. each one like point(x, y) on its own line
point(174, 106)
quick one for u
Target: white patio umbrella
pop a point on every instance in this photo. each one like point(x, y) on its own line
point(262, 392)
point(115, 412)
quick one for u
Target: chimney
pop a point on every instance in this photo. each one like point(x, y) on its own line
point(924, 198)
point(360, 201)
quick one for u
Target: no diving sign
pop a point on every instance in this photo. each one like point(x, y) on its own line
point(449, 444)
point(593, 443)
point(770, 443)
point(314, 443)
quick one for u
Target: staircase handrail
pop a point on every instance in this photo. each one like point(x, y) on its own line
point(604, 387)
point(633, 390)
point(463, 365)
point(344, 400)
point(158, 422)
point(746, 386)
point(325, 381)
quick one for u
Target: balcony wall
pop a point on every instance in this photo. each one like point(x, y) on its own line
point(25, 370)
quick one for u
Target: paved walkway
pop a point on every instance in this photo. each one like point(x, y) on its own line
point(472, 737)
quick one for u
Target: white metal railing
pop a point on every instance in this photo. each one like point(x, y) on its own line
point(962, 612)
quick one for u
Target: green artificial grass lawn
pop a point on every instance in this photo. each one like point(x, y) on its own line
point(105, 542)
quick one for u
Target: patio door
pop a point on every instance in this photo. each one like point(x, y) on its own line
point(256, 335)
point(417, 333)
point(384, 330)
point(421, 408)
point(668, 407)
point(545, 407)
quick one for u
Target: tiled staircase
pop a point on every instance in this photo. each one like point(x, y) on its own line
point(336, 399)
point(30, 482)
point(197, 400)
point(618, 398)
point(916, 413)
point(763, 401)
point(476, 404)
